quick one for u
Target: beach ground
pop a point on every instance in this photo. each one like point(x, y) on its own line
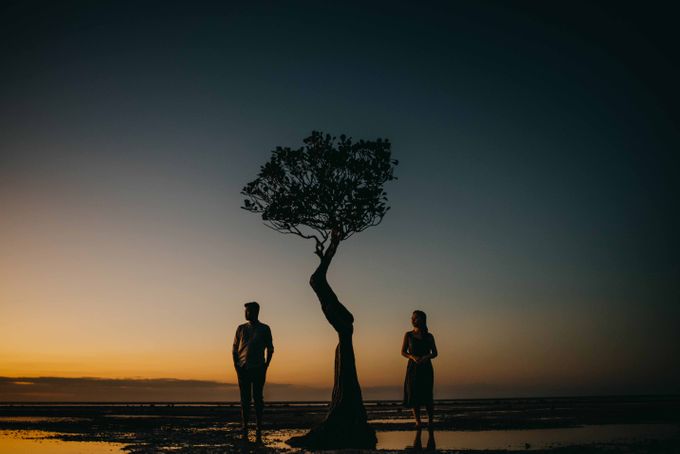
point(555, 425)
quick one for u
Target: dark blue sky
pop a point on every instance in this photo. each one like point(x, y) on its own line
point(538, 181)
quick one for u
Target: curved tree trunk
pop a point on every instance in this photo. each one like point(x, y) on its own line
point(346, 424)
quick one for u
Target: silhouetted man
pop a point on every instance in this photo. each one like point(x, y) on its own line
point(250, 342)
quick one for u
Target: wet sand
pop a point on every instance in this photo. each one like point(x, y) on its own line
point(605, 424)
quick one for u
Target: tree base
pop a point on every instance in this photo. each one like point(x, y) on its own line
point(334, 435)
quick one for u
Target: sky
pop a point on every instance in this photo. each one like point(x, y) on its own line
point(534, 219)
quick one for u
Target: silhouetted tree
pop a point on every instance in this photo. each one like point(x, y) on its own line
point(326, 191)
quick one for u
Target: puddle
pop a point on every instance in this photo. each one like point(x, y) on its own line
point(524, 439)
point(277, 438)
point(501, 439)
point(33, 442)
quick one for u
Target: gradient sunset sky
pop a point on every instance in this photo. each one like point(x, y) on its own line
point(535, 218)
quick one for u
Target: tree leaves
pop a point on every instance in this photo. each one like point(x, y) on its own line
point(329, 188)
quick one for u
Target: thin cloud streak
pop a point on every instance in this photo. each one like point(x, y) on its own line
point(94, 389)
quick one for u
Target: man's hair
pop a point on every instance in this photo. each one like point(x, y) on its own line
point(253, 305)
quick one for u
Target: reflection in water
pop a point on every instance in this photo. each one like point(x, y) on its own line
point(500, 439)
point(418, 442)
point(33, 442)
point(521, 439)
point(277, 438)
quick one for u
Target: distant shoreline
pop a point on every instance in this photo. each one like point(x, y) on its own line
point(367, 402)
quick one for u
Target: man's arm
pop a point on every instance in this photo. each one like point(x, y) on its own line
point(234, 349)
point(269, 347)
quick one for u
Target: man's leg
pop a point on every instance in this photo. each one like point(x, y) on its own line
point(244, 384)
point(258, 390)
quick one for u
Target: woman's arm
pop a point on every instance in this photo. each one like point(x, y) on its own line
point(433, 351)
point(404, 349)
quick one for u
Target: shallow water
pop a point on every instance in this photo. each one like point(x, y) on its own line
point(33, 442)
point(504, 439)
point(524, 439)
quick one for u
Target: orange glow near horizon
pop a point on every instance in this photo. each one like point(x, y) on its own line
point(508, 354)
point(93, 291)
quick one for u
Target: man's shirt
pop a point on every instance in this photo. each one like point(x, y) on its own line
point(249, 343)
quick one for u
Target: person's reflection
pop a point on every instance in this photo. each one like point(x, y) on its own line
point(418, 441)
point(431, 444)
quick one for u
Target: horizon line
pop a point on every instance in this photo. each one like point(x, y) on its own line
point(278, 401)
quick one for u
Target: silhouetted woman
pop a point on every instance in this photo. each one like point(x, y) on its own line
point(419, 348)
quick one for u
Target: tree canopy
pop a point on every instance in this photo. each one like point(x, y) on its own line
point(326, 190)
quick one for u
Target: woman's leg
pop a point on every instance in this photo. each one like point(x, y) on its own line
point(430, 413)
point(416, 414)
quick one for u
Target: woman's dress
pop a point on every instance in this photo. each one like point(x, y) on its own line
point(419, 377)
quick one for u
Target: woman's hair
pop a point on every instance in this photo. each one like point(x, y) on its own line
point(423, 316)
